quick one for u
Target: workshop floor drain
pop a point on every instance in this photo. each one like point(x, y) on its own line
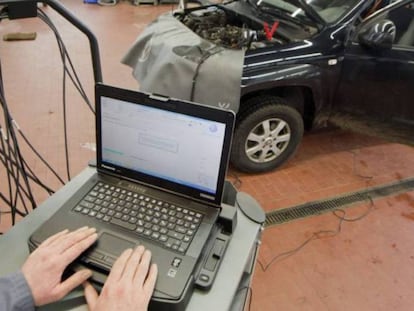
point(319, 207)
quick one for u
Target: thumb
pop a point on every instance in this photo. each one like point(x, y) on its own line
point(72, 282)
point(91, 295)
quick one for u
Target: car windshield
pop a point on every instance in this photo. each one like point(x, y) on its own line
point(329, 11)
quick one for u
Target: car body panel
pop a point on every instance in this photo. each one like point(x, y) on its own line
point(320, 59)
point(343, 76)
point(377, 83)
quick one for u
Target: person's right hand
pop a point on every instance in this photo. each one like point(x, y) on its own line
point(129, 285)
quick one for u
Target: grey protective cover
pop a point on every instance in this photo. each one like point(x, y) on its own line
point(165, 57)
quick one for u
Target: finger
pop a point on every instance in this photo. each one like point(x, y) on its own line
point(151, 279)
point(56, 241)
point(91, 295)
point(52, 238)
point(75, 250)
point(119, 266)
point(72, 282)
point(133, 262)
point(73, 238)
point(142, 268)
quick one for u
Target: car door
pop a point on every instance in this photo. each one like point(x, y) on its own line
point(377, 82)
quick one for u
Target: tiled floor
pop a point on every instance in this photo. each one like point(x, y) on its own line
point(367, 265)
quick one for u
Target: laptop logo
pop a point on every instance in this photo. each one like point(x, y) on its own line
point(206, 196)
point(131, 187)
point(136, 188)
point(108, 167)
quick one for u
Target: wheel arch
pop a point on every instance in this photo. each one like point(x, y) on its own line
point(299, 97)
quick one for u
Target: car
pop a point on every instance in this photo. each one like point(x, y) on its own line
point(312, 63)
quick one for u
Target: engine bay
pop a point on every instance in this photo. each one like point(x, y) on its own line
point(225, 29)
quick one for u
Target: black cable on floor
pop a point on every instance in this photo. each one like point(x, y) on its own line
point(318, 235)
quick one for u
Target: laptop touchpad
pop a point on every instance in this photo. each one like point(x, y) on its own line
point(113, 245)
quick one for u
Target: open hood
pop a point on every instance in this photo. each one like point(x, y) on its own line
point(249, 24)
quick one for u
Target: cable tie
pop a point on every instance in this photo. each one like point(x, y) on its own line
point(16, 125)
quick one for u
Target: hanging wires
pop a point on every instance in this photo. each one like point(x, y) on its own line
point(68, 70)
point(36, 152)
point(19, 188)
point(17, 193)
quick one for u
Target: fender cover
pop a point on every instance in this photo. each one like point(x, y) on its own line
point(169, 59)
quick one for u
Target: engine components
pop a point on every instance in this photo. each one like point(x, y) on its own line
point(213, 24)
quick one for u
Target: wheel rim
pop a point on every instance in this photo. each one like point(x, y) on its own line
point(267, 140)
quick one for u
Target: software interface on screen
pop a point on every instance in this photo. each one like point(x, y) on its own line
point(168, 145)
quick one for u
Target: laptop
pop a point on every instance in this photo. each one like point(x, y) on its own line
point(160, 172)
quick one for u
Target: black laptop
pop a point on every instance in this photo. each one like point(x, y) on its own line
point(161, 165)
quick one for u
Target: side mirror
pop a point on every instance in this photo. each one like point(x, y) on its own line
point(378, 35)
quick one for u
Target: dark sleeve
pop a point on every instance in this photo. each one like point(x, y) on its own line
point(15, 294)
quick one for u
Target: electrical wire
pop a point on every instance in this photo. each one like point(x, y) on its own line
point(13, 174)
point(74, 78)
point(3, 138)
point(16, 183)
point(318, 235)
point(36, 152)
point(71, 72)
point(65, 125)
point(354, 168)
point(205, 54)
point(32, 176)
point(354, 162)
point(14, 151)
point(19, 175)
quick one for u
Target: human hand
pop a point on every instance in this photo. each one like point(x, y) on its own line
point(44, 268)
point(129, 285)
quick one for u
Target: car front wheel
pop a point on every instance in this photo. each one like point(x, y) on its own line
point(266, 135)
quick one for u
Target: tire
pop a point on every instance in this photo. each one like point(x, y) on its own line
point(266, 135)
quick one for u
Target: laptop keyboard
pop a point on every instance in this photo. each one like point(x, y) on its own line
point(169, 225)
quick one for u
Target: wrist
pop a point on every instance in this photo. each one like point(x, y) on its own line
point(23, 291)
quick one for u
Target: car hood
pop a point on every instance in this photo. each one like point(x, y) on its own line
point(245, 25)
point(310, 12)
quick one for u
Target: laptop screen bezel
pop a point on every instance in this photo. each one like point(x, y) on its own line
point(174, 105)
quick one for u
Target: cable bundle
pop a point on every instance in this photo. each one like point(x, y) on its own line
point(20, 178)
point(19, 175)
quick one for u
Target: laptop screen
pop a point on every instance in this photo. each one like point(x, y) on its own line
point(175, 145)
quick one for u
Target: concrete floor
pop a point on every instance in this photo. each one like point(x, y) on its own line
point(367, 265)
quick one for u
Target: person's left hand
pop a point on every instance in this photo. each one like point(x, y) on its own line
point(44, 268)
